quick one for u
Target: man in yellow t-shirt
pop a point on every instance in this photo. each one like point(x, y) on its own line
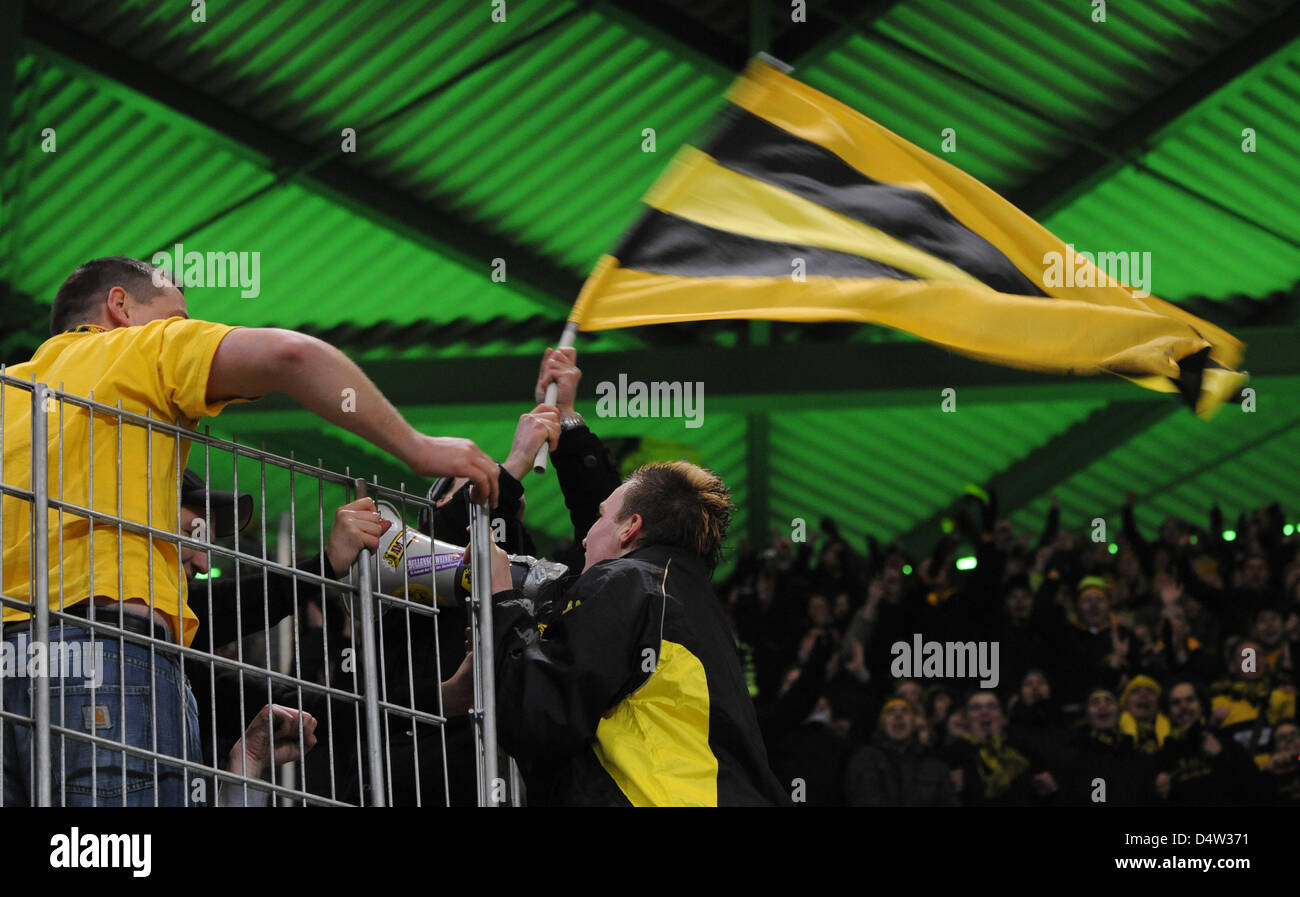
point(122, 336)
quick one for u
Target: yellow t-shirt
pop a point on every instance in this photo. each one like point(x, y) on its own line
point(160, 368)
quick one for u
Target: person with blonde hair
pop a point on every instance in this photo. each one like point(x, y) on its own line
point(630, 692)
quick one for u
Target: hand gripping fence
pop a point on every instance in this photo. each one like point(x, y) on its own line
point(310, 685)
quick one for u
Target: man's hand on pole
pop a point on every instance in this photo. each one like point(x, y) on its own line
point(536, 428)
point(357, 525)
point(561, 367)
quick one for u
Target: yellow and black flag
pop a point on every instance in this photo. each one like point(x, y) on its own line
point(802, 209)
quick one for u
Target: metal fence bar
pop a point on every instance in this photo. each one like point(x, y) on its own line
point(387, 740)
point(41, 592)
point(361, 563)
point(516, 784)
point(480, 540)
point(61, 600)
point(325, 639)
point(90, 549)
point(476, 710)
point(370, 675)
point(191, 765)
point(121, 574)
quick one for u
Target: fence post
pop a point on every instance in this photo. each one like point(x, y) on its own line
point(41, 588)
point(516, 783)
point(370, 676)
point(480, 542)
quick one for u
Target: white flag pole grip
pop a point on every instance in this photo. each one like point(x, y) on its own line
point(552, 392)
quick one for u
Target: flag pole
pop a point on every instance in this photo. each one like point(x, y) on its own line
point(553, 392)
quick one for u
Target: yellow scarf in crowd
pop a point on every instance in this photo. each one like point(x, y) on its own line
point(998, 765)
point(1149, 736)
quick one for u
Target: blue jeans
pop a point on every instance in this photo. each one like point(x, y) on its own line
point(122, 702)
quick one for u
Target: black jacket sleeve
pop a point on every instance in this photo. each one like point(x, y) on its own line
point(553, 691)
point(587, 476)
point(451, 522)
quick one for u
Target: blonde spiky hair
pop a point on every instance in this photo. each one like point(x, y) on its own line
point(681, 505)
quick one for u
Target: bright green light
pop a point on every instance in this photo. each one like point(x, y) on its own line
point(1229, 535)
point(1113, 548)
point(967, 563)
point(214, 573)
point(972, 489)
point(907, 569)
point(1288, 530)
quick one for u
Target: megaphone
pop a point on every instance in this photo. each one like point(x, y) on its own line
point(415, 567)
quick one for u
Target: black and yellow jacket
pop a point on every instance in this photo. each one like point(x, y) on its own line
point(633, 695)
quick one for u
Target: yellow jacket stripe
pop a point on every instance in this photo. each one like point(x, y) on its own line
point(655, 743)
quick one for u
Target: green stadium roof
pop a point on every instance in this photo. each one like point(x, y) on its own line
point(524, 140)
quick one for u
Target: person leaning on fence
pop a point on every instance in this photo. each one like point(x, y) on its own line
point(264, 598)
point(586, 476)
point(634, 695)
point(121, 332)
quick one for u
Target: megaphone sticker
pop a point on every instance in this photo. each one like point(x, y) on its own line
point(395, 550)
point(420, 564)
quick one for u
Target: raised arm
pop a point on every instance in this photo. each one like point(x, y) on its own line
point(252, 362)
point(585, 472)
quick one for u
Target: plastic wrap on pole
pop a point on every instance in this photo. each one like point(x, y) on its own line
point(480, 542)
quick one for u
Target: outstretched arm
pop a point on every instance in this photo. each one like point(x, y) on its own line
point(251, 362)
point(585, 471)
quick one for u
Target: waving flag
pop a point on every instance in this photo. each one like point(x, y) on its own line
point(802, 209)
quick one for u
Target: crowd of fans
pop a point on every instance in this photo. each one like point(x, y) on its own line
point(1143, 672)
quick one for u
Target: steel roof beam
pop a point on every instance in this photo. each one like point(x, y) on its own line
point(716, 54)
point(828, 28)
point(1060, 184)
point(753, 379)
point(11, 28)
point(802, 44)
point(740, 378)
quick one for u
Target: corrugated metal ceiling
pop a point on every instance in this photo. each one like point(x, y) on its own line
point(546, 151)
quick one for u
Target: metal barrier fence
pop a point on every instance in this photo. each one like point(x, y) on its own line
point(101, 714)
